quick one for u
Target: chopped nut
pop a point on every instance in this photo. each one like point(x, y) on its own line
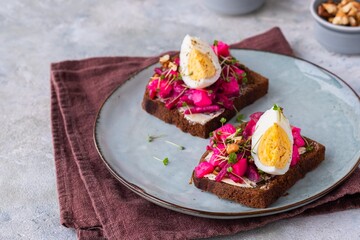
point(172, 66)
point(322, 12)
point(344, 2)
point(352, 12)
point(330, 8)
point(164, 58)
point(356, 5)
point(239, 140)
point(341, 18)
point(347, 7)
point(346, 13)
point(353, 21)
point(231, 148)
point(340, 21)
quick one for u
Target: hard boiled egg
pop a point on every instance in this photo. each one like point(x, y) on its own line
point(199, 65)
point(272, 142)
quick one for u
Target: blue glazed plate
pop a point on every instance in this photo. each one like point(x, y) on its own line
point(313, 99)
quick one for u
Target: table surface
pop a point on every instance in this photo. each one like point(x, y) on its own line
point(35, 33)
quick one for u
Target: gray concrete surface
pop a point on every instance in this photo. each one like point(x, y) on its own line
point(35, 33)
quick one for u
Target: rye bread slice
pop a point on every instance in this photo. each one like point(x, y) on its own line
point(256, 88)
point(264, 195)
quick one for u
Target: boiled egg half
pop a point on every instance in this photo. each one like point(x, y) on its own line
point(272, 142)
point(199, 65)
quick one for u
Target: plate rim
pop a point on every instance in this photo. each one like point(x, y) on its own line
point(218, 215)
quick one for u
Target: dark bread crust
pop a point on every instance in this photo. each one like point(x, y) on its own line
point(275, 188)
point(255, 89)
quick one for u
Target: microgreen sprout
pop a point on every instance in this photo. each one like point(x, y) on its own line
point(276, 107)
point(223, 120)
point(244, 80)
point(309, 148)
point(215, 42)
point(232, 158)
point(152, 138)
point(229, 169)
point(240, 118)
point(238, 131)
point(233, 61)
point(176, 145)
point(165, 161)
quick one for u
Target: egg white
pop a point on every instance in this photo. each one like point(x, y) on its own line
point(265, 122)
point(189, 43)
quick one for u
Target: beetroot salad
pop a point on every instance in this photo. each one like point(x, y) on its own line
point(167, 85)
point(229, 154)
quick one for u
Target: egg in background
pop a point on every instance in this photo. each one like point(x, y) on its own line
point(272, 142)
point(199, 65)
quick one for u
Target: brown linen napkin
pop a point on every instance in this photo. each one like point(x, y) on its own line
point(98, 206)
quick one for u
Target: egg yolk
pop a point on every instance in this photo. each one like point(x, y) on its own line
point(200, 65)
point(274, 147)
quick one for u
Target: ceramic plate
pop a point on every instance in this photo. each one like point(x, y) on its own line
point(314, 99)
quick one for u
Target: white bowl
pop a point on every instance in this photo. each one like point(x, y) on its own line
point(335, 38)
point(233, 7)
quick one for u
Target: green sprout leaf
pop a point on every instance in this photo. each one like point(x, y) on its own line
point(229, 169)
point(232, 158)
point(238, 131)
point(276, 107)
point(215, 42)
point(309, 148)
point(240, 118)
point(223, 120)
point(151, 138)
point(166, 161)
point(176, 145)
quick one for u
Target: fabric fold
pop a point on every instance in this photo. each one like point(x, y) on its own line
point(97, 205)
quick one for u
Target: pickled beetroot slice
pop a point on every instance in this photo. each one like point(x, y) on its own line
point(295, 156)
point(203, 168)
point(231, 88)
point(235, 178)
point(298, 140)
point(221, 49)
point(240, 167)
point(220, 135)
point(256, 116)
point(222, 99)
point(222, 173)
point(201, 98)
point(161, 87)
point(206, 109)
point(249, 128)
point(252, 174)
